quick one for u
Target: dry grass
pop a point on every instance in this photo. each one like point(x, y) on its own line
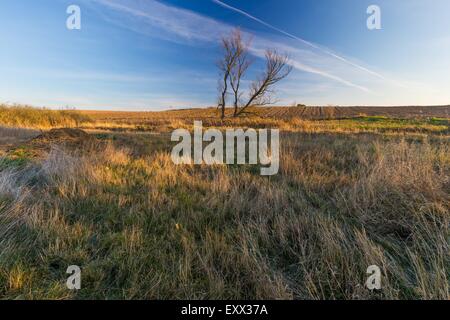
point(28, 117)
point(350, 193)
point(142, 228)
point(285, 113)
point(295, 119)
point(10, 135)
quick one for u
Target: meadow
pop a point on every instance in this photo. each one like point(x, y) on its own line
point(356, 187)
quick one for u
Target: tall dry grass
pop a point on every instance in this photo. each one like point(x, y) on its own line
point(142, 228)
point(10, 136)
point(29, 117)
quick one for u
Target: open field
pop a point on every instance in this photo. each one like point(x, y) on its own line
point(432, 118)
point(357, 188)
point(303, 112)
point(303, 119)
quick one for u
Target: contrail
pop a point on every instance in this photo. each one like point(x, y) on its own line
point(312, 45)
point(300, 66)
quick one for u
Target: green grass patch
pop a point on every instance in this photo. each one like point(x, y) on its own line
point(382, 123)
point(16, 159)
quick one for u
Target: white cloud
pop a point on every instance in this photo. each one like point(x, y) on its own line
point(156, 19)
point(305, 42)
point(347, 81)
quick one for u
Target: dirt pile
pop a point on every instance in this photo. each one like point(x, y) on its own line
point(65, 134)
point(73, 140)
point(68, 137)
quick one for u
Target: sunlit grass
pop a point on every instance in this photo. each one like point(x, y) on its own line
point(168, 121)
point(28, 117)
point(350, 193)
point(141, 227)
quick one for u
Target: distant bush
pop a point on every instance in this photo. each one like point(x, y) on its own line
point(29, 117)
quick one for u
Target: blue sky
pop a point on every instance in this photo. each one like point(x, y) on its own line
point(153, 55)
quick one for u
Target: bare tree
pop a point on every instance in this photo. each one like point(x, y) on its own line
point(231, 49)
point(239, 69)
point(261, 90)
point(233, 66)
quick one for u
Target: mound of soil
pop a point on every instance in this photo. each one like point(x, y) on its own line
point(67, 138)
point(65, 134)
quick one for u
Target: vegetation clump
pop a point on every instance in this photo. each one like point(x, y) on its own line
point(29, 117)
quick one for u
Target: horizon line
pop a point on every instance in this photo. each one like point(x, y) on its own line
point(100, 109)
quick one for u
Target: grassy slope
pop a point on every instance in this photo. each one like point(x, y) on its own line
point(141, 227)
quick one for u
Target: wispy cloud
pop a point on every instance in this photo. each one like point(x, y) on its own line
point(290, 35)
point(156, 19)
point(258, 49)
point(93, 76)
